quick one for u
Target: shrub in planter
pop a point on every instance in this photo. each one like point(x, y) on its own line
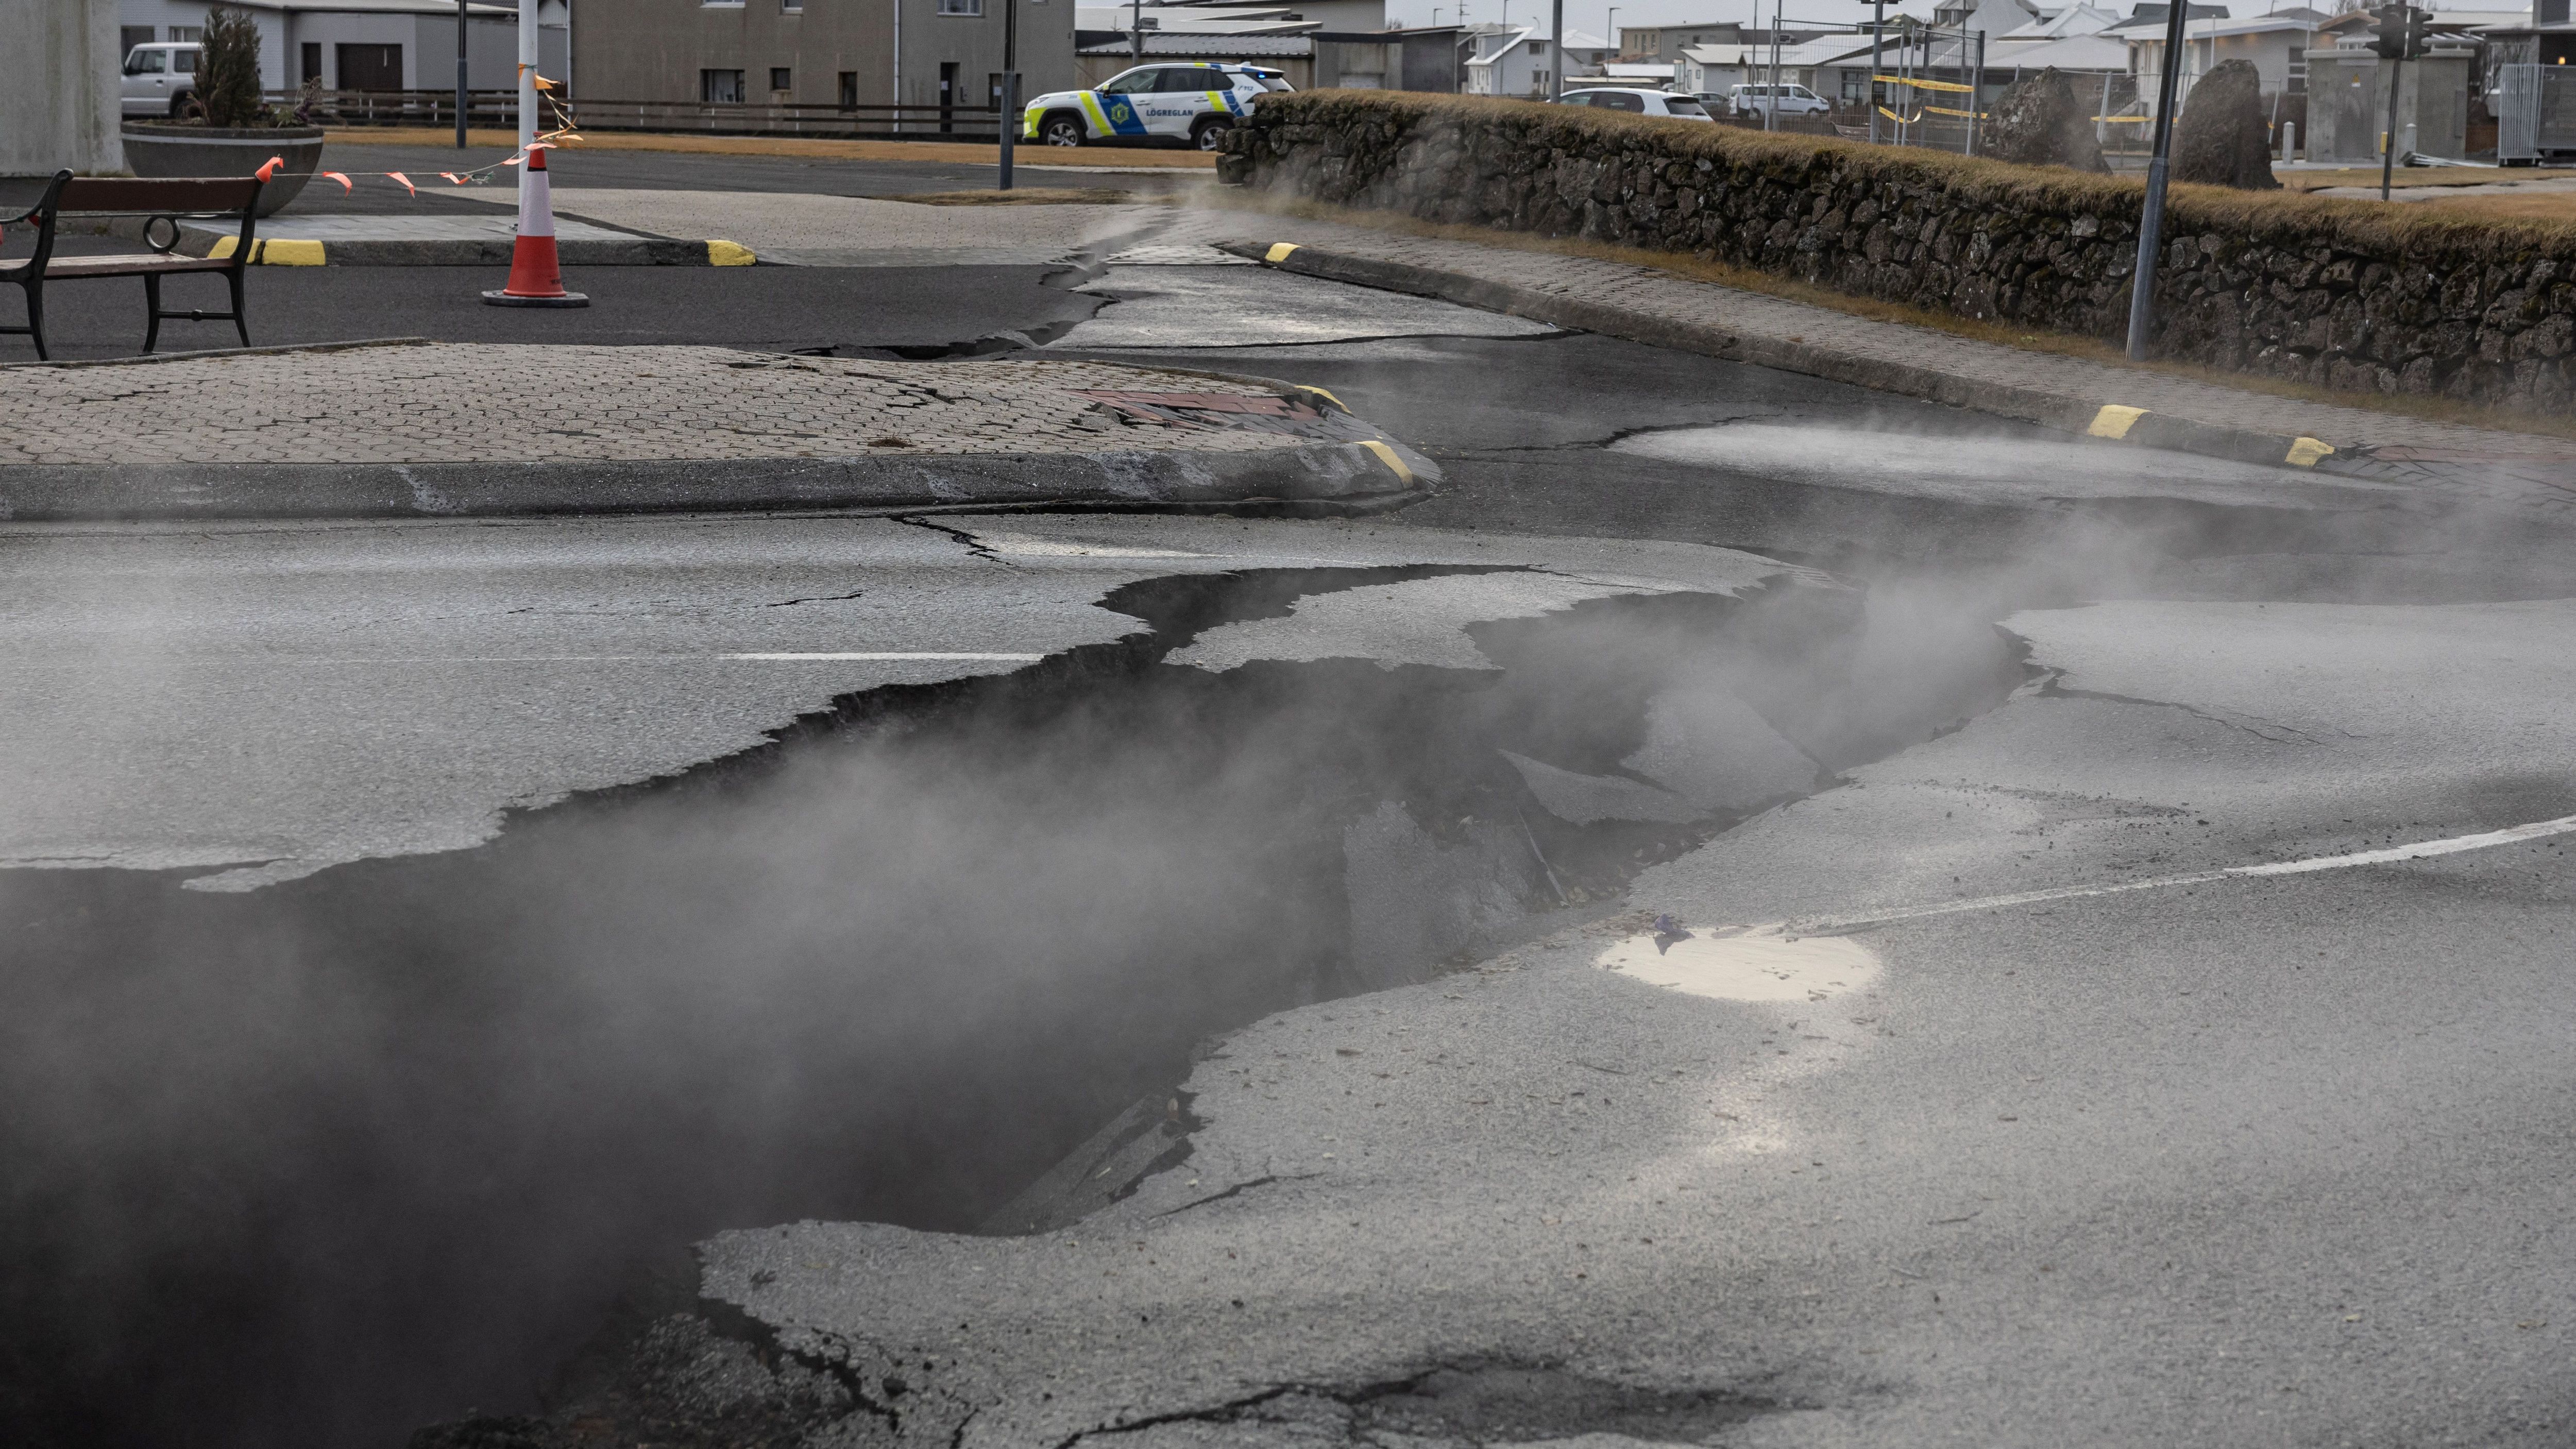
point(229, 130)
point(228, 71)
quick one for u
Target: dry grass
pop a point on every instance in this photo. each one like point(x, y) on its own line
point(2546, 206)
point(2413, 178)
point(2063, 344)
point(800, 146)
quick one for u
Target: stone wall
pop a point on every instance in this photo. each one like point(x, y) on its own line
point(2342, 294)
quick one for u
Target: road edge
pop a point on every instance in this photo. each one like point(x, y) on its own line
point(1307, 479)
point(2085, 417)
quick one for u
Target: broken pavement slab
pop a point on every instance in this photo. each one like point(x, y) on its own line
point(448, 430)
point(392, 688)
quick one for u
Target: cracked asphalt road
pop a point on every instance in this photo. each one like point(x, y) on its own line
point(2262, 1162)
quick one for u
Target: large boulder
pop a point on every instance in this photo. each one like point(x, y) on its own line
point(2222, 138)
point(2039, 122)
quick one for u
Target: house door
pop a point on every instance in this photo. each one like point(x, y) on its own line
point(947, 96)
point(371, 68)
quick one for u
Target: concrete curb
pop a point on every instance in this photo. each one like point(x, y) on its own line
point(2086, 417)
point(493, 252)
point(1311, 478)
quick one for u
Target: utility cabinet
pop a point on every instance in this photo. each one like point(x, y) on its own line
point(2348, 104)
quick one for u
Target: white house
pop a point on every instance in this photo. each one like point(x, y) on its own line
point(1521, 60)
point(2277, 44)
point(368, 45)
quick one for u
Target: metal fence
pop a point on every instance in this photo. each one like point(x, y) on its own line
point(500, 110)
point(2535, 110)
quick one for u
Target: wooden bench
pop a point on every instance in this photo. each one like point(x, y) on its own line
point(163, 202)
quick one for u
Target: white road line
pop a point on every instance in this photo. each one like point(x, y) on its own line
point(996, 658)
point(2422, 849)
point(766, 658)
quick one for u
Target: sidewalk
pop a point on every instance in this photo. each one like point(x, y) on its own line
point(2077, 395)
point(407, 428)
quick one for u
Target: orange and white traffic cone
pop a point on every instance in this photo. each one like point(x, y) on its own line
point(536, 277)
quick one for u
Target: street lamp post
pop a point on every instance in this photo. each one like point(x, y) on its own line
point(2151, 216)
point(1010, 117)
point(460, 75)
point(1556, 67)
point(1610, 22)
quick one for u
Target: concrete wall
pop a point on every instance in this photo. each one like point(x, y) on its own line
point(653, 50)
point(58, 87)
point(2339, 294)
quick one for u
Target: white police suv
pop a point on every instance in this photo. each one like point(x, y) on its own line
point(1152, 105)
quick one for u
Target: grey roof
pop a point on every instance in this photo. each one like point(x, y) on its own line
point(1183, 45)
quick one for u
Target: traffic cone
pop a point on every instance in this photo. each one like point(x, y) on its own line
point(536, 277)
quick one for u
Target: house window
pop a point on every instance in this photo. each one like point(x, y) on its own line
point(311, 57)
point(849, 90)
point(189, 33)
point(130, 36)
point(781, 78)
point(720, 87)
point(961, 7)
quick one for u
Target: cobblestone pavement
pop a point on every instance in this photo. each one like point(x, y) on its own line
point(2507, 466)
point(458, 403)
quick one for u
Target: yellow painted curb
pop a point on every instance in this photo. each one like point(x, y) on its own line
point(2305, 452)
point(272, 252)
point(1387, 456)
point(1328, 397)
point(729, 254)
point(1278, 251)
point(2114, 421)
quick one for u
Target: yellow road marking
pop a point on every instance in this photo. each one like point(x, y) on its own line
point(2114, 421)
point(729, 254)
point(1387, 456)
point(1328, 397)
point(1278, 251)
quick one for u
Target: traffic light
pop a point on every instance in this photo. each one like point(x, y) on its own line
point(2418, 22)
point(2390, 25)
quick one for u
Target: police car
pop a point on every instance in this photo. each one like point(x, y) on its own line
point(1188, 105)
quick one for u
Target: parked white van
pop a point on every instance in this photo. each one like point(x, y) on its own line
point(160, 80)
point(1780, 100)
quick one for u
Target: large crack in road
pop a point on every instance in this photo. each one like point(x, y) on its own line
point(412, 1123)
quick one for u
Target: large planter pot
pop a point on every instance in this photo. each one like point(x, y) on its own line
point(156, 149)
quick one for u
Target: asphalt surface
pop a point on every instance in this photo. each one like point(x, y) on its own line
point(2244, 1162)
point(2255, 1163)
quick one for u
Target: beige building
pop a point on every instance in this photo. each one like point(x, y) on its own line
point(826, 53)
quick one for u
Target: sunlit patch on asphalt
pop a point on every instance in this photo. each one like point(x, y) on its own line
point(1945, 465)
point(1746, 968)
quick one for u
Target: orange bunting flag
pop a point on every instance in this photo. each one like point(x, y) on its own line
point(452, 178)
point(406, 182)
point(342, 179)
point(544, 84)
point(269, 171)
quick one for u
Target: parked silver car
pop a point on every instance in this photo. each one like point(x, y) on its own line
point(161, 79)
point(1639, 102)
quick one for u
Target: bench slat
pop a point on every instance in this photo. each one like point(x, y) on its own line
point(175, 193)
point(132, 265)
